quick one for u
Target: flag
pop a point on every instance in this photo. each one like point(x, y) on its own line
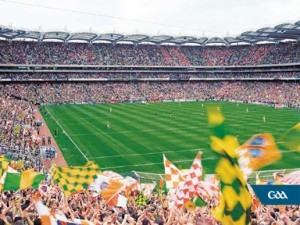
point(195, 202)
point(195, 173)
point(130, 183)
point(24, 180)
point(189, 205)
point(198, 201)
point(8, 170)
point(186, 189)
point(62, 220)
point(109, 189)
point(212, 179)
point(50, 218)
point(235, 201)
point(147, 188)
point(161, 188)
point(4, 162)
point(122, 201)
point(291, 139)
point(75, 222)
point(75, 179)
point(259, 151)
point(193, 187)
point(208, 192)
point(140, 200)
point(47, 218)
point(173, 175)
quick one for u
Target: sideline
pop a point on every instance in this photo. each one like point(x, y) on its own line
point(60, 160)
point(64, 132)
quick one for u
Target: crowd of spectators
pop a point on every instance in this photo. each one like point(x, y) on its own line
point(148, 75)
point(85, 206)
point(18, 52)
point(19, 139)
point(273, 92)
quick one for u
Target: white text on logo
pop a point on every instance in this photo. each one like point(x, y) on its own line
point(277, 195)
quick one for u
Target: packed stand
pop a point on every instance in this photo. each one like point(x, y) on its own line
point(272, 92)
point(17, 52)
point(142, 75)
point(19, 132)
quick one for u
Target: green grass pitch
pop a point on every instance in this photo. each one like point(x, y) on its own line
point(139, 134)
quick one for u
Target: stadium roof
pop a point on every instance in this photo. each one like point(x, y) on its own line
point(282, 32)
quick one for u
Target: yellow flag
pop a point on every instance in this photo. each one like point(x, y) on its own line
point(30, 178)
point(235, 201)
point(75, 179)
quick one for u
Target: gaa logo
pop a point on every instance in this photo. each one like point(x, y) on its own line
point(277, 195)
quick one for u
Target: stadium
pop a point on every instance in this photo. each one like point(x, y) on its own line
point(120, 102)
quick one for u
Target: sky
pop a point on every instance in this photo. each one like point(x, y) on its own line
point(210, 18)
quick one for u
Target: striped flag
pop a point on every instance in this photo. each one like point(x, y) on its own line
point(235, 201)
point(173, 175)
point(24, 180)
